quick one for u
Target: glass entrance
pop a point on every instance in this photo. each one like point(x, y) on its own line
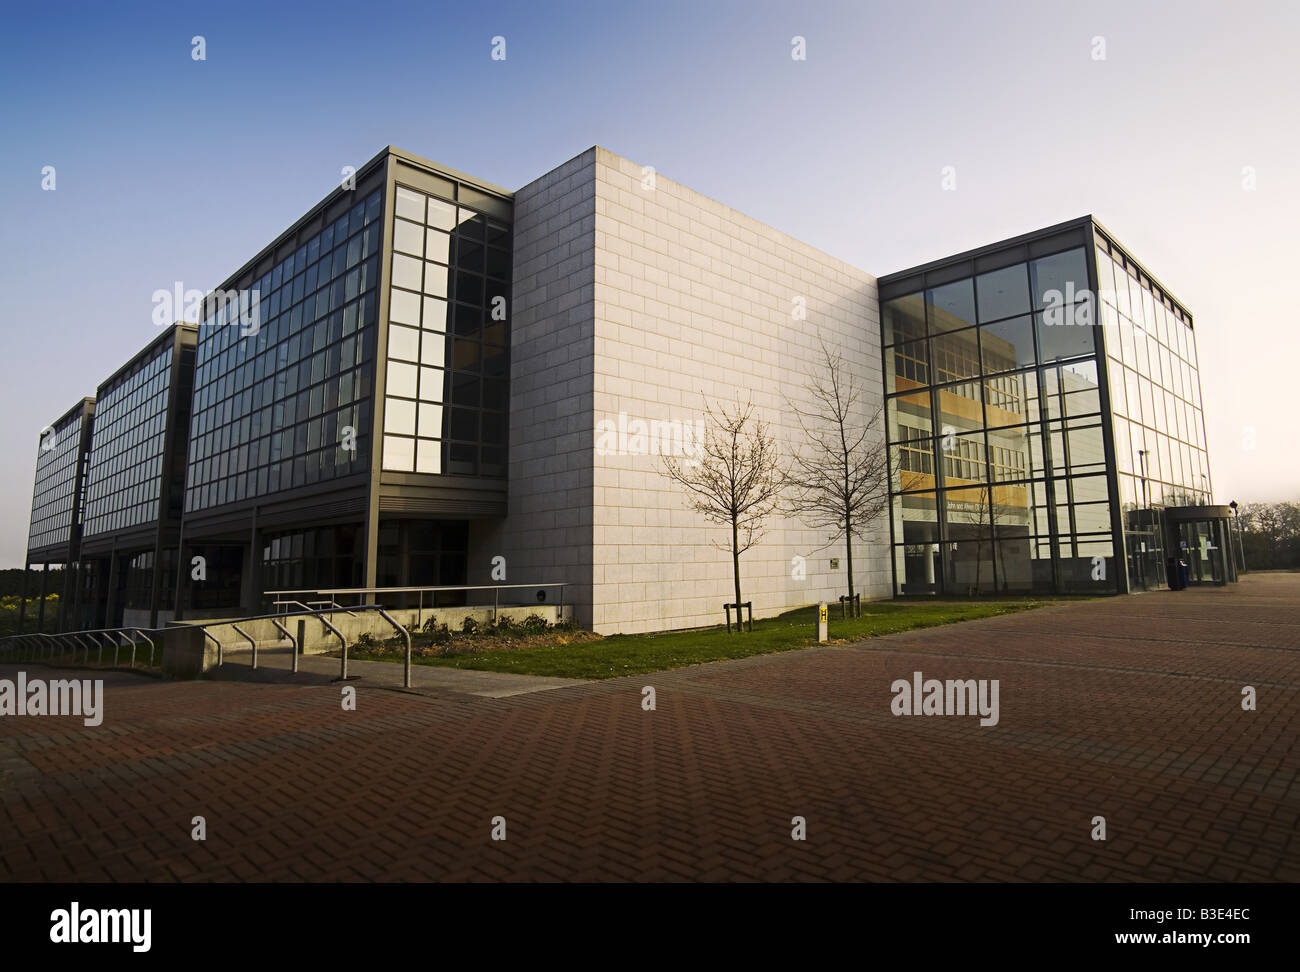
point(1201, 544)
point(1143, 538)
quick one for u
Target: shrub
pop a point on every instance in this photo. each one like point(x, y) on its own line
point(469, 626)
point(535, 624)
point(431, 624)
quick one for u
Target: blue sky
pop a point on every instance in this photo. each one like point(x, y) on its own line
point(171, 169)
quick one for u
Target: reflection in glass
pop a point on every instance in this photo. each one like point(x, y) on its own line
point(1061, 277)
point(959, 408)
point(1068, 339)
point(1003, 293)
point(1007, 345)
point(951, 306)
point(401, 379)
point(902, 319)
point(907, 366)
point(399, 416)
point(955, 356)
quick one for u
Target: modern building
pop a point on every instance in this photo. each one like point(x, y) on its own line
point(1044, 398)
point(353, 436)
point(429, 380)
point(54, 532)
point(135, 471)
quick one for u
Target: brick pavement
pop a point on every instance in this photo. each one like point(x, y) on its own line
point(1127, 708)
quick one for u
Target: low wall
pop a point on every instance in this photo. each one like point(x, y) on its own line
point(186, 653)
point(319, 639)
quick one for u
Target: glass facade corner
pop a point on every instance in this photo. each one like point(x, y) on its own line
point(1161, 459)
point(995, 430)
point(446, 390)
point(60, 458)
point(124, 472)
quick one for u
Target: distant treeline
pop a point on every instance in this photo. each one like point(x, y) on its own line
point(1270, 535)
point(11, 582)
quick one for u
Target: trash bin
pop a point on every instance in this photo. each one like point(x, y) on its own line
point(1184, 573)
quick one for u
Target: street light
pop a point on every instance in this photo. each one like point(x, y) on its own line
point(1241, 546)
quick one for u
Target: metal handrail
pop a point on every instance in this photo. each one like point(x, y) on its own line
point(73, 640)
point(406, 664)
point(360, 592)
point(343, 641)
point(293, 642)
point(85, 639)
point(331, 604)
point(250, 641)
point(100, 659)
point(412, 590)
point(140, 632)
point(305, 607)
point(209, 634)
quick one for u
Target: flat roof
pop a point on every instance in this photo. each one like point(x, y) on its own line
point(75, 412)
point(147, 353)
point(1072, 224)
point(363, 172)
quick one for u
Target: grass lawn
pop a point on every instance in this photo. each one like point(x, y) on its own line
point(616, 655)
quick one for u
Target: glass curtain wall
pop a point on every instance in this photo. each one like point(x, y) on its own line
point(273, 409)
point(124, 471)
point(1155, 391)
point(54, 497)
point(447, 388)
point(995, 427)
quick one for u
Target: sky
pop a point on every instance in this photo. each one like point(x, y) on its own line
point(1174, 124)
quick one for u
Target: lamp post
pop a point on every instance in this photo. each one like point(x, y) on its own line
point(1241, 546)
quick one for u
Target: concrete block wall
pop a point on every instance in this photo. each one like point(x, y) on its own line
point(694, 301)
point(547, 534)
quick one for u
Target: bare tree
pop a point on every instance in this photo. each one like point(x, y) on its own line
point(840, 481)
point(736, 479)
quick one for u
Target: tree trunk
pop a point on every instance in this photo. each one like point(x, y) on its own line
point(848, 524)
point(735, 566)
point(848, 557)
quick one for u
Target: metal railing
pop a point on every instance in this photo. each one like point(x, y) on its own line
point(329, 605)
point(296, 643)
point(44, 646)
point(362, 592)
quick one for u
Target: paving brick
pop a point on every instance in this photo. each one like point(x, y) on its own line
point(1103, 713)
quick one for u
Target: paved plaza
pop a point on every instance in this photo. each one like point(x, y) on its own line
point(1128, 708)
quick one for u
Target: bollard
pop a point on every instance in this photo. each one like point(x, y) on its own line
point(821, 622)
point(302, 634)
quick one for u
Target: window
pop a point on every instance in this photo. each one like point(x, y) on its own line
point(1002, 293)
point(444, 361)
